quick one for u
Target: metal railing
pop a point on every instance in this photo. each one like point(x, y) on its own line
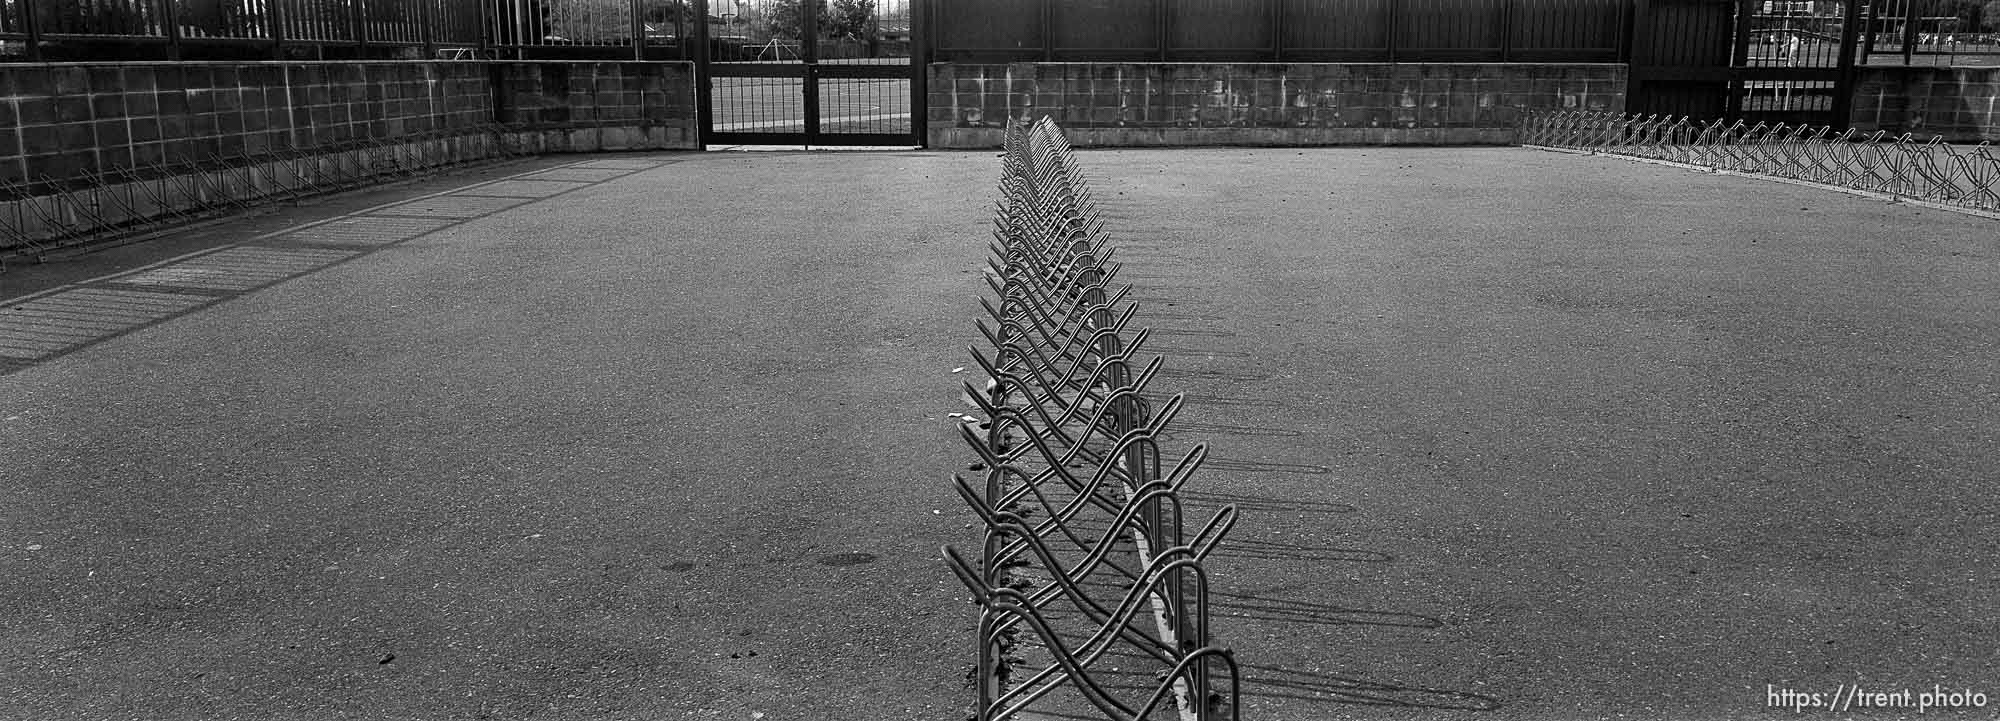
point(1083, 525)
point(1913, 32)
point(1903, 165)
point(37, 30)
point(51, 214)
point(114, 29)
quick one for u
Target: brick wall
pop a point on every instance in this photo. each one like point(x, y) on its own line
point(1261, 104)
point(64, 121)
point(1961, 104)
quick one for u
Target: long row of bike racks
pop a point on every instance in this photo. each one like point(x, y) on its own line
point(1086, 580)
point(1899, 165)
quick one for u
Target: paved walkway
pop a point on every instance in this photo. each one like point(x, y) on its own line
point(1516, 434)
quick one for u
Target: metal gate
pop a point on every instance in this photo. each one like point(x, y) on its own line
point(1755, 60)
point(772, 73)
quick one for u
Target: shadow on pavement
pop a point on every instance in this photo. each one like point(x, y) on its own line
point(1246, 502)
point(1274, 682)
point(1261, 608)
point(1278, 551)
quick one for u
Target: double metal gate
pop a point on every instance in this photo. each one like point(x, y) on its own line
point(1760, 61)
point(771, 72)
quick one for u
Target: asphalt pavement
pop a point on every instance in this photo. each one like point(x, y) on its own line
point(1522, 434)
point(1516, 434)
point(668, 444)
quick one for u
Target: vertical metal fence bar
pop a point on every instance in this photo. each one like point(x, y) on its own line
point(275, 26)
point(1843, 89)
point(356, 23)
point(486, 26)
point(1628, 21)
point(428, 13)
point(1276, 16)
point(638, 28)
point(704, 101)
point(32, 28)
point(169, 16)
point(1739, 54)
point(1390, 28)
point(1872, 25)
point(920, 60)
point(1910, 23)
point(809, 55)
point(1048, 30)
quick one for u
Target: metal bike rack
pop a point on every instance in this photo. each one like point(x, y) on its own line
point(1902, 166)
point(1084, 528)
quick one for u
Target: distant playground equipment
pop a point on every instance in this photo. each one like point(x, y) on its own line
point(776, 50)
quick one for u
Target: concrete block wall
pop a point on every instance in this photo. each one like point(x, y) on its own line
point(1139, 104)
point(1961, 104)
point(596, 106)
point(63, 121)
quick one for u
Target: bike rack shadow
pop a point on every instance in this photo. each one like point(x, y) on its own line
point(1263, 608)
point(1262, 681)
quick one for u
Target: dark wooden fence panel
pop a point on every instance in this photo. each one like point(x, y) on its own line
point(1451, 30)
point(988, 30)
point(1219, 29)
point(1281, 30)
point(1550, 29)
point(1336, 30)
point(1680, 58)
point(1105, 29)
